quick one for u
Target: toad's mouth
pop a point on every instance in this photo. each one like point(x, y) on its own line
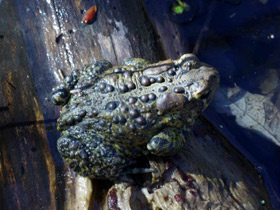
point(205, 95)
point(201, 94)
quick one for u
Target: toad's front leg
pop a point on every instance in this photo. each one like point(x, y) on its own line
point(168, 142)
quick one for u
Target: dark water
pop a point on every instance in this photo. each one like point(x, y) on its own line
point(242, 40)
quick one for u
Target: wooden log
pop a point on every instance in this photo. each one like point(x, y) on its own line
point(38, 41)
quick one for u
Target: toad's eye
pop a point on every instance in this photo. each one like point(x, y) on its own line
point(60, 96)
point(187, 66)
point(190, 65)
point(189, 61)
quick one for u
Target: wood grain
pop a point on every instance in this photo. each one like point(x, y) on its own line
point(38, 39)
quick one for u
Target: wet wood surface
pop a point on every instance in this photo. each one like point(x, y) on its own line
point(38, 40)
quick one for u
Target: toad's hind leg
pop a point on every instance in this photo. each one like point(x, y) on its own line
point(88, 155)
point(168, 142)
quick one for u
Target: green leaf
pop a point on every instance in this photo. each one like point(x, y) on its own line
point(178, 9)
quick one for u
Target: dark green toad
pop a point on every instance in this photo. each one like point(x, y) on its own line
point(111, 115)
